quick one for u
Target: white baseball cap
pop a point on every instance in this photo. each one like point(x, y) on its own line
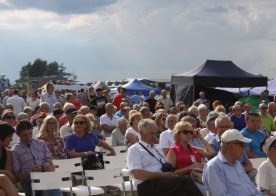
point(232, 135)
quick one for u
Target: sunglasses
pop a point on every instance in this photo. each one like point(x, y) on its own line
point(9, 117)
point(187, 132)
point(264, 108)
point(79, 122)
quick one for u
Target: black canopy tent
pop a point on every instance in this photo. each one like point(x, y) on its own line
point(212, 73)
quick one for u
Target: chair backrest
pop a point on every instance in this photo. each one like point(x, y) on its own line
point(256, 162)
point(108, 140)
point(104, 177)
point(51, 180)
point(72, 165)
point(115, 161)
point(120, 149)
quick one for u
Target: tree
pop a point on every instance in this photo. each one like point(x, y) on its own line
point(42, 68)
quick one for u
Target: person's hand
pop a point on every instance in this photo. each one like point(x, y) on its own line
point(36, 168)
point(197, 165)
point(48, 167)
point(112, 153)
point(197, 133)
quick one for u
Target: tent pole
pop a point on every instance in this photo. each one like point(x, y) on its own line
point(193, 94)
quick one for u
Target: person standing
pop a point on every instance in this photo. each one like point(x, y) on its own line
point(17, 102)
point(167, 102)
point(48, 96)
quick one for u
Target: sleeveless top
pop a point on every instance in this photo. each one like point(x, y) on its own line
point(185, 157)
point(3, 158)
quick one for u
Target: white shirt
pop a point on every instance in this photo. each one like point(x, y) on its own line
point(210, 136)
point(266, 177)
point(166, 139)
point(17, 102)
point(139, 158)
point(166, 101)
point(50, 99)
point(106, 120)
point(132, 131)
point(33, 104)
point(65, 130)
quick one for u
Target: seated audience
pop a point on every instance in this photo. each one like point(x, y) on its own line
point(81, 142)
point(132, 133)
point(266, 177)
point(224, 174)
point(30, 155)
point(145, 162)
point(118, 135)
point(166, 137)
point(160, 120)
point(6, 186)
point(49, 132)
point(66, 129)
point(182, 155)
point(238, 118)
point(253, 122)
point(6, 133)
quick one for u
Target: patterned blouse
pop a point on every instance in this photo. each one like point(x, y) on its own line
point(56, 147)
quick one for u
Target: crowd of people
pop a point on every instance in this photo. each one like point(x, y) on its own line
point(172, 149)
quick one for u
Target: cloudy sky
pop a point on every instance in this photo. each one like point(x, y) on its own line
point(117, 39)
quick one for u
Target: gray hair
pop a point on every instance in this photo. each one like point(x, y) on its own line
point(22, 116)
point(144, 123)
point(121, 121)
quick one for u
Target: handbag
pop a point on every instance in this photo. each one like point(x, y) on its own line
point(166, 167)
point(93, 161)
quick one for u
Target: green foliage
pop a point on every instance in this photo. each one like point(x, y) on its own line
point(42, 68)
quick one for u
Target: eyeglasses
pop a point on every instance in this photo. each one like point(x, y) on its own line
point(264, 108)
point(272, 146)
point(187, 132)
point(79, 122)
point(9, 117)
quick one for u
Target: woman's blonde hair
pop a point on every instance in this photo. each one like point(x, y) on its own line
point(180, 126)
point(86, 119)
point(133, 116)
point(43, 129)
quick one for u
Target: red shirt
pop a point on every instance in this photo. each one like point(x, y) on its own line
point(185, 157)
point(117, 101)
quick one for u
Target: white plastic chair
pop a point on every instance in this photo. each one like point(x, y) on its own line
point(105, 177)
point(120, 149)
point(120, 161)
point(51, 180)
point(75, 165)
point(256, 162)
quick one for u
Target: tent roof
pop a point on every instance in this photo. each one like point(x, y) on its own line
point(214, 73)
point(136, 85)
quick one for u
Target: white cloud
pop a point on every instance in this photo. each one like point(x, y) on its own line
point(120, 39)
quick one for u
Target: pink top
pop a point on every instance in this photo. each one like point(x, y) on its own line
point(185, 157)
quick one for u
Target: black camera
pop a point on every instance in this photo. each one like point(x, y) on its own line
point(167, 167)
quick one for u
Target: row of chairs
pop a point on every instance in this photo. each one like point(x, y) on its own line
point(113, 174)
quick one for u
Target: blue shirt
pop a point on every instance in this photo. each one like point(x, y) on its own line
point(255, 145)
point(136, 99)
point(120, 113)
point(82, 144)
point(239, 123)
point(223, 178)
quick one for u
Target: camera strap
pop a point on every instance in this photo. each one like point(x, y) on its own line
point(151, 153)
